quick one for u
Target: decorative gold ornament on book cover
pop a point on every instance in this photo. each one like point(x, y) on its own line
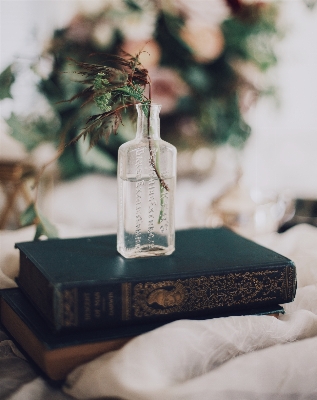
point(70, 307)
point(211, 292)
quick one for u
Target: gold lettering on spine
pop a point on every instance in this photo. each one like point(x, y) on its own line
point(111, 303)
point(97, 305)
point(87, 307)
point(126, 301)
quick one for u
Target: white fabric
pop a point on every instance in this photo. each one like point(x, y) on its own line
point(251, 357)
point(9, 256)
point(186, 360)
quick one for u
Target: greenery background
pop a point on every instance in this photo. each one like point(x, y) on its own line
point(215, 87)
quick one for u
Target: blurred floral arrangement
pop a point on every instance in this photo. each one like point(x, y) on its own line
point(206, 60)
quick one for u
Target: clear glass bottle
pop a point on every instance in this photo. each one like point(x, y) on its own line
point(146, 190)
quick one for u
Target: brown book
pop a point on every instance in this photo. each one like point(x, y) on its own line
point(59, 354)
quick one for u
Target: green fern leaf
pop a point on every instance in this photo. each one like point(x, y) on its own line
point(135, 92)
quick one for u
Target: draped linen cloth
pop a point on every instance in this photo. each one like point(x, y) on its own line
point(239, 357)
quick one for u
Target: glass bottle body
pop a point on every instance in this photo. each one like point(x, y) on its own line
point(146, 191)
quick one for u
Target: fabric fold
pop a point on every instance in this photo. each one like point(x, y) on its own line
point(186, 353)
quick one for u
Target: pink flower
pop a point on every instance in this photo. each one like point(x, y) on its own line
point(206, 42)
point(167, 87)
point(79, 29)
point(208, 12)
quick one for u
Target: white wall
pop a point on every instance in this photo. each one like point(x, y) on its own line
point(282, 152)
point(26, 24)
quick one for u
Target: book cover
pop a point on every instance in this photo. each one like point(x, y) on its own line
point(84, 283)
point(57, 355)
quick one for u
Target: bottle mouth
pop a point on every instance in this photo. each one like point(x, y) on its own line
point(151, 105)
point(152, 110)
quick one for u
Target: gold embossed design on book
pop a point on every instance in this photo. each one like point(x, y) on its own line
point(126, 301)
point(70, 307)
point(211, 292)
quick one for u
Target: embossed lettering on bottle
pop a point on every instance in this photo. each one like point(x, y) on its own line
point(152, 204)
point(138, 200)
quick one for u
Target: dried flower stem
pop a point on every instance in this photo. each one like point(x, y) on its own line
point(152, 161)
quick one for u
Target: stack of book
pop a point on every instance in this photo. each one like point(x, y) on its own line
point(78, 298)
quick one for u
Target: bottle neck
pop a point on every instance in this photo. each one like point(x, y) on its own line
point(148, 125)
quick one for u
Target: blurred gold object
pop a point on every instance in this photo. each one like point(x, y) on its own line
point(196, 163)
point(248, 212)
point(16, 181)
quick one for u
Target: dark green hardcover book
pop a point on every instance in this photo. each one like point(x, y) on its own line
point(85, 283)
point(57, 355)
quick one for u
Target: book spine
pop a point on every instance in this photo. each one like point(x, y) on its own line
point(37, 288)
point(98, 304)
point(126, 303)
